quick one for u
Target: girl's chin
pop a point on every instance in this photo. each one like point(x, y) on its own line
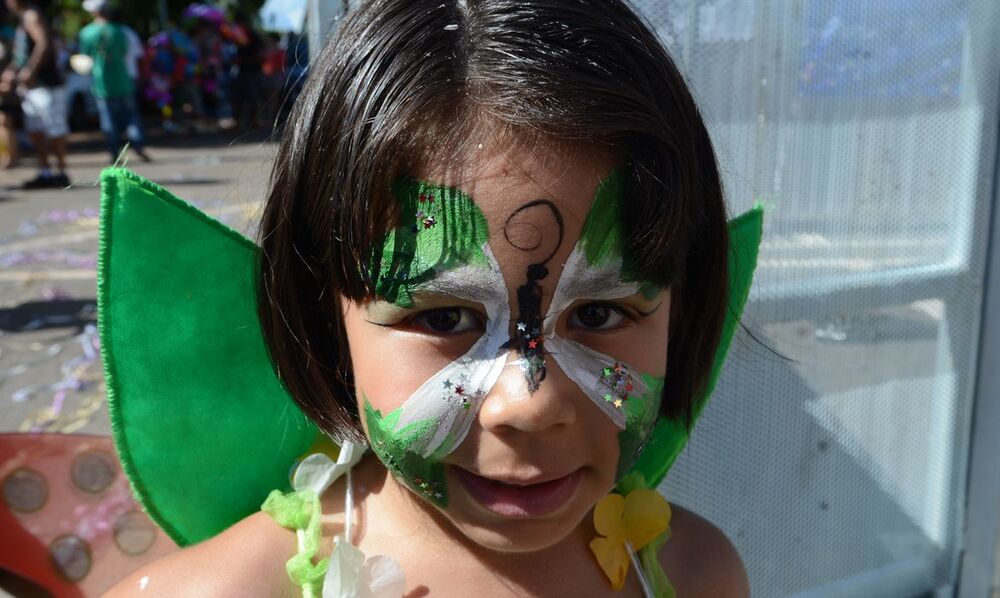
point(521, 536)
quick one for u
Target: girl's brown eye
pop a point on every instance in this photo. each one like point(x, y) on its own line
point(447, 320)
point(596, 316)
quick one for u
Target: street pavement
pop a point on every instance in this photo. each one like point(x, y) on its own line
point(50, 372)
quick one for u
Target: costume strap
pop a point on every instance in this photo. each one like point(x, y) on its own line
point(346, 572)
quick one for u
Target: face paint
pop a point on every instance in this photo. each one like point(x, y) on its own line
point(441, 249)
point(527, 335)
point(641, 412)
point(393, 443)
point(440, 229)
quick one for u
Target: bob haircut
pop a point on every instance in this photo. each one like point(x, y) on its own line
point(407, 81)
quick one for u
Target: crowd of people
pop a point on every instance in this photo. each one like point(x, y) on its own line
point(209, 71)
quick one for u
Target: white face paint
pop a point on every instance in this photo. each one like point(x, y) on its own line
point(453, 395)
point(583, 365)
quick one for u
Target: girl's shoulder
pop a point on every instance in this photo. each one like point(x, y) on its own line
point(700, 560)
point(248, 559)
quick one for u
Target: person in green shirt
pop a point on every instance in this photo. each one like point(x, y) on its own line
point(106, 42)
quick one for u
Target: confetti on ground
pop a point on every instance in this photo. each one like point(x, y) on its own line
point(81, 380)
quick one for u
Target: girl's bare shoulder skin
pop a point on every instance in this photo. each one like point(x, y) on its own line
point(700, 560)
point(248, 559)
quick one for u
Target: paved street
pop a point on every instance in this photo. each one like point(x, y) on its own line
point(50, 371)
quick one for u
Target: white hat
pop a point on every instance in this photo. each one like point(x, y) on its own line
point(94, 5)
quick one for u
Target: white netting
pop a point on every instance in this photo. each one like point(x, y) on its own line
point(868, 129)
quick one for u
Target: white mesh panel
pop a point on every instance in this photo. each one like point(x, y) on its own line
point(868, 128)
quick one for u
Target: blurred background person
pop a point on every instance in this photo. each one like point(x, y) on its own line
point(248, 77)
point(10, 108)
point(43, 98)
point(107, 44)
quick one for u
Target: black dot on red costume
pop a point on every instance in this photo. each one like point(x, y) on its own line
point(25, 490)
point(71, 557)
point(93, 471)
point(134, 533)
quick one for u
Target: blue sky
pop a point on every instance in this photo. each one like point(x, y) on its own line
point(283, 15)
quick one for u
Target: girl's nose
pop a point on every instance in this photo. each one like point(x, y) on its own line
point(510, 405)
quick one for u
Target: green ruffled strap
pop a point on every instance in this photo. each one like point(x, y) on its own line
point(300, 511)
point(656, 577)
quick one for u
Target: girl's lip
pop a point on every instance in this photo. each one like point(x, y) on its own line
point(517, 501)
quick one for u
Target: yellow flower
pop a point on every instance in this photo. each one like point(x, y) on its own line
point(637, 519)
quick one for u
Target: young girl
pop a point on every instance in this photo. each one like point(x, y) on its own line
point(494, 254)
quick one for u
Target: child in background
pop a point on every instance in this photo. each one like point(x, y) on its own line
point(494, 252)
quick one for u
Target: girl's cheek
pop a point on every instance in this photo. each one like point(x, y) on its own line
point(389, 365)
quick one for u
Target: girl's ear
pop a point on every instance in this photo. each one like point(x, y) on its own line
point(203, 427)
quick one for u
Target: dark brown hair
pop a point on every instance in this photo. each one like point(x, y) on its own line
point(405, 79)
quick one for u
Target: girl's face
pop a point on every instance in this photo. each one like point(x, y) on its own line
point(511, 367)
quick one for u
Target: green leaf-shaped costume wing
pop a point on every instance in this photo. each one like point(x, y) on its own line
point(203, 427)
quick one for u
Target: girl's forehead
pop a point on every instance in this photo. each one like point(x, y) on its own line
point(517, 214)
point(502, 183)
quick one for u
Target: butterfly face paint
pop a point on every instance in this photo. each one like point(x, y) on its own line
point(442, 248)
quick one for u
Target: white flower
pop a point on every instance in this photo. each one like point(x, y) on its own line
point(317, 471)
point(351, 575)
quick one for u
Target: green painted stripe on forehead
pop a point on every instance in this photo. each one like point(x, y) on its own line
point(601, 238)
point(440, 228)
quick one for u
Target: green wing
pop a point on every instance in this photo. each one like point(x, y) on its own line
point(203, 427)
point(670, 435)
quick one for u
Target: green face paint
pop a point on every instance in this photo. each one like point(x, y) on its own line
point(603, 240)
point(394, 447)
point(440, 229)
point(599, 268)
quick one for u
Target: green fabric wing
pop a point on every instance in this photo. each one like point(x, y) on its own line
point(670, 436)
point(203, 427)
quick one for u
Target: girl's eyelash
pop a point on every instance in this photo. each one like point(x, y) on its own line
point(411, 320)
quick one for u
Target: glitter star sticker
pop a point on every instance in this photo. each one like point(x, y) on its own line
point(447, 383)
point(521, 327)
